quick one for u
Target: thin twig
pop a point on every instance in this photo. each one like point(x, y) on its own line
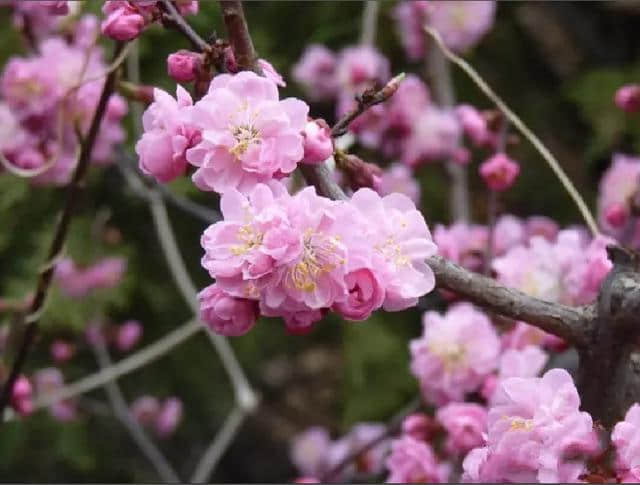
point(364, 102)
point(122, 412)
point(220, 443)
point(369, 22)
point(518, 123)
point(46, 274)
point(238, 33)
point(392, 427)
point(125, 366)
point(178, 21)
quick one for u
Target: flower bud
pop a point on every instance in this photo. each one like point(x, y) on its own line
point(61, 351)
point(627, 98)
point(616, 215)
point(21, 396)
point(419, 426)
point(499, 172)
point(128, 335)
point(225, 314)
point(169, 416)
point(318, 143)
point(358, 172)
point(123, 24)
point(183, 65)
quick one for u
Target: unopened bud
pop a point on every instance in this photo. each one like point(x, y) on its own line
point(358, 172)
point(183, 65)
point(627, 98)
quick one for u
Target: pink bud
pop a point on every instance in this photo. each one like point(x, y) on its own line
point(145, 410)
point(183, 65)
point(123, 24)
point(499, 172)
point(61, 351)
point(128, 335)
point(627, 98)
point(419, 426)
point(473, 123)
point(318, 143)
point(616, 215)
point(225, 314)
point(169, 417)
point(21, 396)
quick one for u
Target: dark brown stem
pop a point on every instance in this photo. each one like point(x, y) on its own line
point(238, 33)
point(44, 281)
point(365, 101)
point(174, 18)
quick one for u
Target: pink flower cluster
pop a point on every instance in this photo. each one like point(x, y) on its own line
point(127, 19)
point(414, 461)
point(460, 23)
point(46, 98)
point(455, 354)
point(298, 256)
point(162, 417)
point(618, 195)
point(77, 282)
point(626, 440)
point(569, 270)
point(536, 433)
point(41, 18)
point(238, 135)
point(314, 453)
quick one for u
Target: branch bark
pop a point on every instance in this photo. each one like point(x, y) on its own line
point(44, 281)
point(238, 32)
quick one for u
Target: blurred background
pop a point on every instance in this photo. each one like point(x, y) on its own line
point(557, 64)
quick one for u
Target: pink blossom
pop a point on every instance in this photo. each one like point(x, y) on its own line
point(523, 335)
point(316, 72)
point(226, 314)
point(145, 410)
point(526, 362)
point(617, 187)
point(21, 396)
point(541, 226)
point(183, 65)
point(626, 439)
point(398, 178)
point(77, 282)
point(410, 17)
point(128, 335)
point(586, 275)
point(436, 134)
point(627, 98)
point(318, 142)
point(169, 417)
point(61, 351)
point(122, 23)
point(270, 73)
point(366, 294)
point(455, 353)
point(361, 66)
point(368, 463)
point(169, 132)
point(508, 232)
point(419, 426)
point(413, 461)
point(309, 451)
point(461, 23)
point(401, 241)
point(50, 380)
point(474, 124)
point(536, 433)
point(465, 424)
point(462, 244)
point(499, 172)
point(249, 135)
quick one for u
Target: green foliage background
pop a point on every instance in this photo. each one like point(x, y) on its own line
point(556, 64)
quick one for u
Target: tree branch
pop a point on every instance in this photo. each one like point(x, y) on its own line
point(174, 18)
point(238, 33)
point(46, 274)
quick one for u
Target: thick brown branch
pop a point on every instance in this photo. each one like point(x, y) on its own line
point(238, 33)
point(569, 323)
point(46, 275)
point(320, 177)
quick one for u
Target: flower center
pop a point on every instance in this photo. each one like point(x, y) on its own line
point(392, 251)
point(452, 354)
point(249, 238)
point(520, 424)
point(245, 136)
point(319, 256)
